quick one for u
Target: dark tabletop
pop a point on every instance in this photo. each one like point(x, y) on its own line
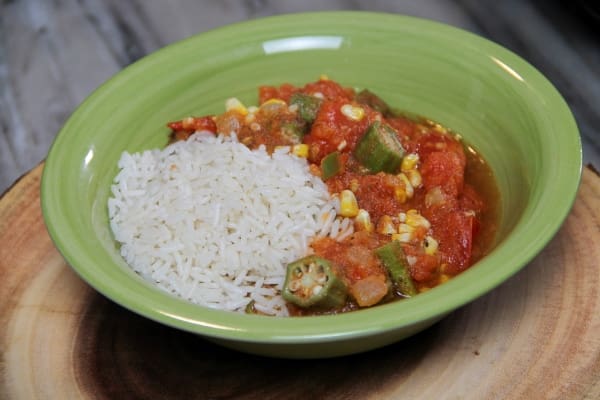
point(54, 53)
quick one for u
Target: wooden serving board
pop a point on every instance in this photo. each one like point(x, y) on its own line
point(535, 337)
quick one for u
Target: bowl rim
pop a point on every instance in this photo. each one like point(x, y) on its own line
point(262, 329)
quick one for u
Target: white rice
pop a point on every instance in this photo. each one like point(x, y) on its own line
point(215, 223)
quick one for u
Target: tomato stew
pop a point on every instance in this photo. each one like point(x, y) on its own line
point(424, 203)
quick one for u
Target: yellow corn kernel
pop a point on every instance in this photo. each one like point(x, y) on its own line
point(348, 204)
point(354, 185)
point(406, 233)
point(385, 225)
point(444, 278)
point(402, 217)
point(354, 113)
point(274, 101)
point(402, 237)
point(233, 104)
point(187, 123)
point(413, 218)
point(409, 162)
point(405, 228)
point(301, 150)
point(440, 128)
point(414, 177)
point(362, 221)
point(406, 191)
point(400, 194)
point(431, 245)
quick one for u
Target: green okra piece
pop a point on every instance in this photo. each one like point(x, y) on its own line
point(308, 106)
point(370, 99)
point(294, 130)
point(393, 258)
point(379, 149)
point(312, 282)
point(250, 309)
point(331, 165)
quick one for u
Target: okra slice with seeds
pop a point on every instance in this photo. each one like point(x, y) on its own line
point(379, 149)
point(393, 258)
point(312, 282)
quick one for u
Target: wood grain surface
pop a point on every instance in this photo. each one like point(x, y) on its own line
point(535, 337)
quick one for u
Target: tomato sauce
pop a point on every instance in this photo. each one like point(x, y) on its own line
point(441, 203)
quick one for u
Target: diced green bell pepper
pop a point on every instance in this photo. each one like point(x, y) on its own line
point(331, 165)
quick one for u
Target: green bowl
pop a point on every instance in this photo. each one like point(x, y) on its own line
point(500, 104)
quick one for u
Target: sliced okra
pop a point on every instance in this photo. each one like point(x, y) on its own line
point(308, 106)
point(379, 149)
point(294, 130)
point(312, 282)
point(372, 100)
point(250, 308)
point(393, 258)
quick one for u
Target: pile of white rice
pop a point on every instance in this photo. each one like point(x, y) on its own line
point(215, 223)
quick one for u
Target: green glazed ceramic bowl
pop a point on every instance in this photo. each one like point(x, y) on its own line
point(500, 104)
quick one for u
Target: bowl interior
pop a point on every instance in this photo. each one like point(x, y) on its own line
point(501, 106)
